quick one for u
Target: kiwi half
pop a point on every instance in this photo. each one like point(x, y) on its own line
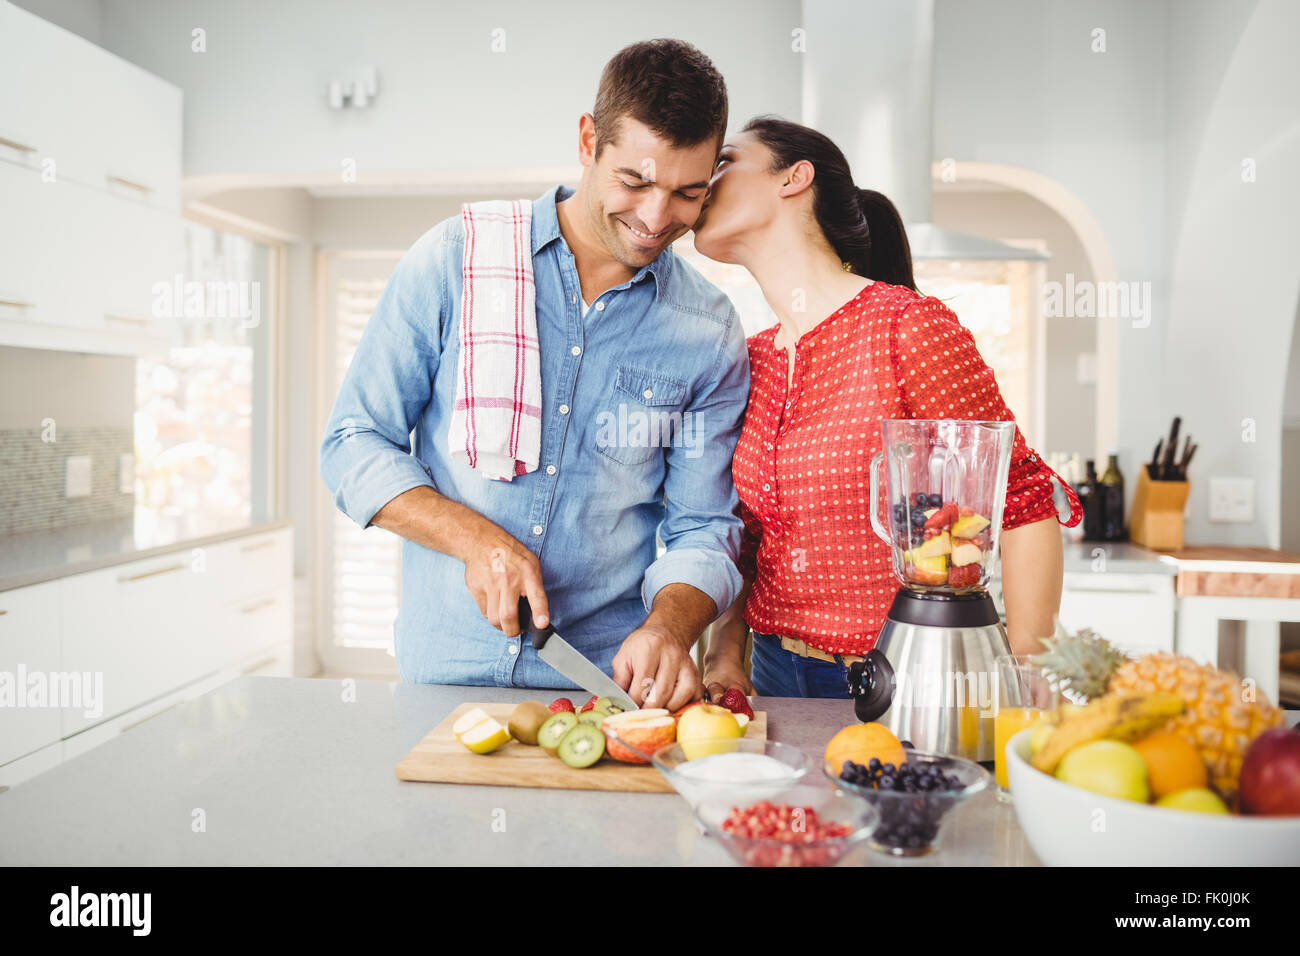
point(526, 720)
point(608, 706)
point(582, 746)
point(593, 717)
point(553, 730)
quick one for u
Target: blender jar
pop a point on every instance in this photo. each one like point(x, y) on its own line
point(940, 507)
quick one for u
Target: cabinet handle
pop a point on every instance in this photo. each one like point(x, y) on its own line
point(3, 612)
point(15, 304)
point(138, 187)
point(135, 320)
point(150, 574)
point(257, 606)
point(258, 546)
point(14, 144)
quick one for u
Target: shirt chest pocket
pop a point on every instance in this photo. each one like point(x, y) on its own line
point(642, 415)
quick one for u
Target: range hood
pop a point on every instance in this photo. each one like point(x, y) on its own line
point(868, 78)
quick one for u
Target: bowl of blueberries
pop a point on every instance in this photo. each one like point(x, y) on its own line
point(913, 798)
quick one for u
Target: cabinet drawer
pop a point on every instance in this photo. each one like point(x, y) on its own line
point(248, 567)
point(1137, 614)
point(256, 625)
point(29, 651)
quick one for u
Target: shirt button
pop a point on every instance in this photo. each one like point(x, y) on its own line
point(573, 298)
point(564, 409)
point(537, 529)
point(514, 648)
point(576, 350)
point(649, 393)
point(550, 469)
point(600, 306)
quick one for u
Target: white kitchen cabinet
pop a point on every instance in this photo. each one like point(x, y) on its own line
point(29, 650)
point(1134, 611)
point(100, 119)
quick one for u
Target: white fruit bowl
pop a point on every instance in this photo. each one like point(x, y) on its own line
point(1070, 826)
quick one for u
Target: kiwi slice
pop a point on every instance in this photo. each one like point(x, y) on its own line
point(608, 706)
point(526, 720)
point(593, 717)
point(582, 746)
point(553, 730)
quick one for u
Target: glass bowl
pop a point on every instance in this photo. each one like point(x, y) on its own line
point(911, 824)
point(748, 781)
point(830, 806)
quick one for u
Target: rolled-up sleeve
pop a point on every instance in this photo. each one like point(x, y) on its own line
point(365, 456)
point(701, 531)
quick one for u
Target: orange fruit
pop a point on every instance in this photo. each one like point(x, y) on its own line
point(1172, 764)
point(861, 742)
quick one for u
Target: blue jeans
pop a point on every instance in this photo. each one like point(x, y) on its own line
point(776, 672)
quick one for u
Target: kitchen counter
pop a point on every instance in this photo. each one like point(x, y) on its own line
point(38, 556)
point(290, 771)
point(1120, 557)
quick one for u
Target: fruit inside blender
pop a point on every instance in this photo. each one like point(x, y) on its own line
point(942, 543)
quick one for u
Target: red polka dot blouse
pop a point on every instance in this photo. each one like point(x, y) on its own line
point(819, 571)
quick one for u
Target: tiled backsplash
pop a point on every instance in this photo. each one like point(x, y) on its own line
point(32, 479)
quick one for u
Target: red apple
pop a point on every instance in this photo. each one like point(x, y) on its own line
point(1270, 775)
point(645, 730)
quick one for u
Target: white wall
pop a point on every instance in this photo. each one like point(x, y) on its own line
point(255, 102)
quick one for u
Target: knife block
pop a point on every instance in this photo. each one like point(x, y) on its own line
point(1157, 519)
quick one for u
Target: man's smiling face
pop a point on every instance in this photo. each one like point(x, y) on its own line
point(645, 193)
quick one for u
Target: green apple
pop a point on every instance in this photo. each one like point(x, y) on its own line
point(1195, 799)
point(707, 729)
point(1107, 767)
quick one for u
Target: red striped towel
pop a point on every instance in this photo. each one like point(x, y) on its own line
point(496, 424)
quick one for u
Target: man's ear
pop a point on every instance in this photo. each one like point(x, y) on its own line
point(587, 139)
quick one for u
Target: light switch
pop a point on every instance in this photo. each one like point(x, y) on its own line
point(126, 474)
point(1232, 500)
point(76, 476)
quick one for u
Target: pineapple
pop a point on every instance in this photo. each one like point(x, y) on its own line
point(1219, 721)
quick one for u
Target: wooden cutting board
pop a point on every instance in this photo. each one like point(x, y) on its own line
point(441, 758)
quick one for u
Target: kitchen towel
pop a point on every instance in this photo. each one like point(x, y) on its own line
point(496, 423)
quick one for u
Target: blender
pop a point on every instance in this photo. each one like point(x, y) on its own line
point(931, 676)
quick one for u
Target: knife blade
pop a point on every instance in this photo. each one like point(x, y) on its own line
point(569, 661)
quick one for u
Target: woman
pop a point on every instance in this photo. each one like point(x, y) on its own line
point(856, 343)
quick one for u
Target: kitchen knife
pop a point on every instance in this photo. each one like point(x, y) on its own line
point(569, 661)
point(1167, 466)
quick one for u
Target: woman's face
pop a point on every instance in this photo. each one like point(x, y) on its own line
point(742, 198)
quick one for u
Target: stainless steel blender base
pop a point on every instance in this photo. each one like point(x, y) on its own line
point(938, 683)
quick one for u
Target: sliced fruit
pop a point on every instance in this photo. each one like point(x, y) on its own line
point(736, 702)
point(968, 526)
point(485, 737)
point(475, 716)
point(608, 706)
point(593, 717)
point(927, 570)
point(526, 720)
point(638, 730)
point(553, 731)
point(966, 553)
point(966, 576)
point(588, 705)
point(940, 544)
point(582, 746)
point(743, 720)
point(943, 517)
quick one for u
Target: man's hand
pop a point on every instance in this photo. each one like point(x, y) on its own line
point(653, 655)
point(721, 676)
point(498, 572)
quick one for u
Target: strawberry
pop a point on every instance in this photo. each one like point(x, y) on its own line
point(964, 575)
point(561, 704)
point(943, 517)
point(588, 705)
point(737, 703)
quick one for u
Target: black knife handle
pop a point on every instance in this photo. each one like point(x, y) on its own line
point(538, 635)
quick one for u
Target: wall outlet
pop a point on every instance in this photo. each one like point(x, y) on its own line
point(1232, 500)
point(76, 476)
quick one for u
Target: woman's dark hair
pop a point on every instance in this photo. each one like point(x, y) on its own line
point(862, 225)
point(668, 85)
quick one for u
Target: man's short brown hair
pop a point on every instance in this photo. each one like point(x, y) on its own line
point(668, 85)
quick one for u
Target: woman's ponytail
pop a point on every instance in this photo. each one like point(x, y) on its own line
point(890, 257)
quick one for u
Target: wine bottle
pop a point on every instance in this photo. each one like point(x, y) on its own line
point(1111, 486)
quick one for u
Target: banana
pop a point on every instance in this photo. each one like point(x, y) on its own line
point(1126, 717)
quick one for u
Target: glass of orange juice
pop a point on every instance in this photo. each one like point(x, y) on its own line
point(1025, 695)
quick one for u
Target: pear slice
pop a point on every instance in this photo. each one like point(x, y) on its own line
point(485, 736)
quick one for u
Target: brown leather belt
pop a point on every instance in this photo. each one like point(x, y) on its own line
point(796, 646)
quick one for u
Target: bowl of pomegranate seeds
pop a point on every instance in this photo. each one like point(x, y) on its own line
point(804, 826)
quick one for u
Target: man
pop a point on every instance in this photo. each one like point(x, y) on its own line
point(628, 334)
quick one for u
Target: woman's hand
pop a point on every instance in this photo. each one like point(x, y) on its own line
point(722, 675)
